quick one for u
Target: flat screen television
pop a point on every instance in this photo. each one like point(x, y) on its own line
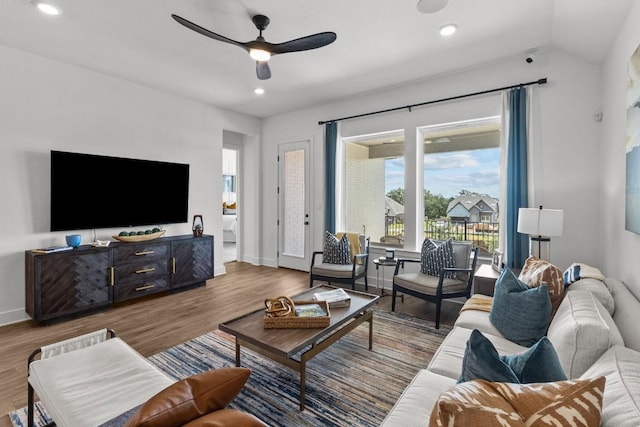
point(91, 191)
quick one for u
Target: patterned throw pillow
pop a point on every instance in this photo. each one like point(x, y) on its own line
point(538, 364)
point(434, 257)
point(336, 251)
point(578, 271)
point(497, 404)
point(520, 313)
point(536, 271)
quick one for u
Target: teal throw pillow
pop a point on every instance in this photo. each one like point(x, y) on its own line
point(520, 313)
point(538, 364)
point(481, 361)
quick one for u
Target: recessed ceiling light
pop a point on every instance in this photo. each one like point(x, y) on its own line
point(447, 30)
point(258, 91)
point(48, 8)
point(431, 6)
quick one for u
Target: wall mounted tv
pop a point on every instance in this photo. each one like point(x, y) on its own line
point(91, 191)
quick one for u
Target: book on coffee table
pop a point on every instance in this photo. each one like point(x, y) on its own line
point(335, 298)
point(310, 310)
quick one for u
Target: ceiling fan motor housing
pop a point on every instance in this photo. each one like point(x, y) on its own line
point(260, 21)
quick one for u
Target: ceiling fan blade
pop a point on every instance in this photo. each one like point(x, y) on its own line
point(313, 41)
point(262, 70)
point(205, 32)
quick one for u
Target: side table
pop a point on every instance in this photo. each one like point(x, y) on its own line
point(484, 280)
point(383, 262)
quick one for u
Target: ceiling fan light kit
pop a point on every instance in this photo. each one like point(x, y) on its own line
point(259, 54)
point(431, 6)
point(259, 49)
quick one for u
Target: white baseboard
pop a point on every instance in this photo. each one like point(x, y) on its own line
point(219, 270)
point(269, 262)
point(13, 316)
point(251, 260)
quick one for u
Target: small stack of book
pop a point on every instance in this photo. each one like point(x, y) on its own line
point(335, 298)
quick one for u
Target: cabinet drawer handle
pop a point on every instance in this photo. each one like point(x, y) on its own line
point(145, 270)
point(143, 288)
point(145, 253)
point(173, 265)
point(111, 275)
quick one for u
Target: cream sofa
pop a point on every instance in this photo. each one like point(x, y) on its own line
point(594, 331)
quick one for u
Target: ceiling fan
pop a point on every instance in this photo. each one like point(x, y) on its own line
point(261, 50)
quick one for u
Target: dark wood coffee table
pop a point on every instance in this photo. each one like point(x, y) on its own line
point(281, 345)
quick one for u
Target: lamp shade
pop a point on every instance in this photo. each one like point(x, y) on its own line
point(540, 222)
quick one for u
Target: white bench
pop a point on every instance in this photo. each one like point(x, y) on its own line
point(88, 380)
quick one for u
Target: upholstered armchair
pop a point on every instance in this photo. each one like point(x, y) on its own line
point(323, 268)
point(454, 278)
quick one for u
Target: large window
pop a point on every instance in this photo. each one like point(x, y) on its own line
point(462, 181)
point(456, 197)
point(374, 186)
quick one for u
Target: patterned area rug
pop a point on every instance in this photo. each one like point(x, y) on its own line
point(346, 384)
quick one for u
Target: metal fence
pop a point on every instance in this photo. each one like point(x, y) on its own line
point(483, 234)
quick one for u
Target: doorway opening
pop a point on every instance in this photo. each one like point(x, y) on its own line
point(229, 205)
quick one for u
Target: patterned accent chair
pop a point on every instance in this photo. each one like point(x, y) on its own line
point(437, 288)
point(331, 273)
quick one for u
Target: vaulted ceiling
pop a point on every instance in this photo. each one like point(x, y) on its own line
point(380, 43)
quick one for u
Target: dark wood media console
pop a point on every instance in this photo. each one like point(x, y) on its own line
point(87, 278)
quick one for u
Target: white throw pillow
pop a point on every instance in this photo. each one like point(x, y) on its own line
point(581, 331)
point(621, 401)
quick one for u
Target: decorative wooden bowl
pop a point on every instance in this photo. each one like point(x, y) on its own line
point(140, 237)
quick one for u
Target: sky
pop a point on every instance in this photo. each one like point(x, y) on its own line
point(447, 173)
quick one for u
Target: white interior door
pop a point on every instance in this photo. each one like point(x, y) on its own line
point(293, 206)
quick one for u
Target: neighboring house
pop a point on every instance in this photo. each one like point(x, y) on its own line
point(394, 222)
point(393, 209)
point(473, 208)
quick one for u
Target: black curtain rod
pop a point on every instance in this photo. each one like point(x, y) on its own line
point(409, 107)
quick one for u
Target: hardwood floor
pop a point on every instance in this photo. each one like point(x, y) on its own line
point(158, 323)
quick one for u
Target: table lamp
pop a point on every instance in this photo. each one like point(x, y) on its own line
point(540, 224)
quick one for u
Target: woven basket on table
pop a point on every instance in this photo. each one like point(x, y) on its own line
point(291, 321)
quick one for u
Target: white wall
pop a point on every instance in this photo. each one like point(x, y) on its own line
point(619, 248)
point(47, 105)
point(563, 125)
